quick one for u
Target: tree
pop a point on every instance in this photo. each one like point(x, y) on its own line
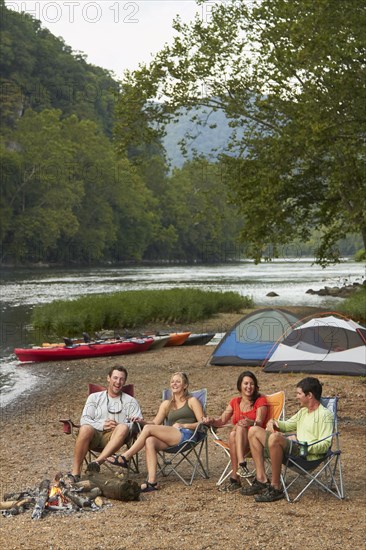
point(289, 75)
point(39, 196)
point(195, 206)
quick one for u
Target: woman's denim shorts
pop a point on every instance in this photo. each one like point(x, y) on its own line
point(185, 434)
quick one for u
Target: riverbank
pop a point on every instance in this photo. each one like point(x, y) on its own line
point(197, 517)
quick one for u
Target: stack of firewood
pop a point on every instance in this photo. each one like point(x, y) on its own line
point(63, 495)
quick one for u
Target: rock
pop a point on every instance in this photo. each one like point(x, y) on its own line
point(336, 292)
point(272, 294)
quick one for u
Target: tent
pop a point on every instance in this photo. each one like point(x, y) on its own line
point(249, 341)
point(323, 345)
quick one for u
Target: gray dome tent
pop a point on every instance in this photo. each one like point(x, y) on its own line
point(322, 345)
point(250, 340)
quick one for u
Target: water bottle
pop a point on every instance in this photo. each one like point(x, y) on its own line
point(303, 448)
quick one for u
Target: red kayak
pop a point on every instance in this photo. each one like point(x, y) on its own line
point(81, 351)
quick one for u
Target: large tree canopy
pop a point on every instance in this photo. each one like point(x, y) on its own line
point(289, 75)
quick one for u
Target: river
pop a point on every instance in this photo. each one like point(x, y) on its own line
point(22, 289)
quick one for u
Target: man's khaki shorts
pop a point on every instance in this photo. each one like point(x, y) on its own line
point(100, 440)
point(292, 448)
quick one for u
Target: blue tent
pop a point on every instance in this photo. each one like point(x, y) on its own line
point(250, 340)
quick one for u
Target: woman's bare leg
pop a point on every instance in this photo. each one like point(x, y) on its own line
point(168, 435)
point(233, 455)
point(242, 443)
point(152, 447)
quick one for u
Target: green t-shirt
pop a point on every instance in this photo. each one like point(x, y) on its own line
point(310, 427)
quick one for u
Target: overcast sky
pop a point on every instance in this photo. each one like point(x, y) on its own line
point(114, 34)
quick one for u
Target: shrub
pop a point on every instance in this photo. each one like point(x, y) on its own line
point(355, 306)
point(360, 255)
point(128, 310)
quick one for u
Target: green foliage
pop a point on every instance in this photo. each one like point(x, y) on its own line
point(39, 71)
point(66, 197)
point(132, 309)
point(289, 77)
point(195, 210)
point(355, 306)
point(360, 255)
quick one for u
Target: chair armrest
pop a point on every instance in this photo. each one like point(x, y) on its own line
point(201, 427)
point(68, 425)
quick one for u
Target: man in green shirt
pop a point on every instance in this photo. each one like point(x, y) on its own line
point(312, 422)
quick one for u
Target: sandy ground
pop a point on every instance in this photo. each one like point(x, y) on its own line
point(197, 517)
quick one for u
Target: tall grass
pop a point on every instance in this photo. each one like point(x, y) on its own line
point(129, 310)
point(355, 306)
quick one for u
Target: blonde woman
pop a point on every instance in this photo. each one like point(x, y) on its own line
point(182, 412)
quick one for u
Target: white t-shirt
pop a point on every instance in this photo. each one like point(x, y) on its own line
point(100, 407)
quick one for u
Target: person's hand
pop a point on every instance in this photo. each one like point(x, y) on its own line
point(177, 425)
point(245, 422)
point(137, 419)
point(109, 425)
point(207, 420)
point(272, 426)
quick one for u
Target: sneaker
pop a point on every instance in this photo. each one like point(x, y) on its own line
point(254, 489)
point(271, 494)
point(243, 471)
point(230, 486)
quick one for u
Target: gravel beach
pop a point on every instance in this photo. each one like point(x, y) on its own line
point(197, 517)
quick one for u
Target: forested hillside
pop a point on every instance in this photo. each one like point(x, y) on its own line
point(85, 178)
point(67, 196)
point(39, 71)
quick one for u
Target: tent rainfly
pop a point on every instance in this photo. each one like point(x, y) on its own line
point(250, 340)
point(323, 345)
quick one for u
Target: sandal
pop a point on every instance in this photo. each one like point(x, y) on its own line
point(118, 460)
point(149, 487)
point(73, 478)
point(93, 466)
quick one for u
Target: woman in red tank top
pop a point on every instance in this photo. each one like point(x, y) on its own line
point(247, 410)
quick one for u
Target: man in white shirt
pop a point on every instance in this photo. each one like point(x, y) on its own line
point(106, 422)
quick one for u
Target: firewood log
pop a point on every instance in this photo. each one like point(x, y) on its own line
point(86, 485)
point(115, 488)
point(41, 500)
point(8, 504)
point(80, 501)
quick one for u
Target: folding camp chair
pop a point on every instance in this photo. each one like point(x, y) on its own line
point(191, 457)
point(70, 427)
point(326, 472)
point(276, 405)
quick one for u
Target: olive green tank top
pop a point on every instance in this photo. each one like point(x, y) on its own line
point(184, 415)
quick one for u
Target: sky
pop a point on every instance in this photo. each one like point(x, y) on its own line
point(113, 34)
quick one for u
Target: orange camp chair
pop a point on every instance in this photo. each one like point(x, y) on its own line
point(276, 405)
point(70, 427)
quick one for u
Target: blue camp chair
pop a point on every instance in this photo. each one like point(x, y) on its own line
point(324, 473)
point(189, 459)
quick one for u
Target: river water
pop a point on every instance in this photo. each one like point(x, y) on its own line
point(21, 290)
